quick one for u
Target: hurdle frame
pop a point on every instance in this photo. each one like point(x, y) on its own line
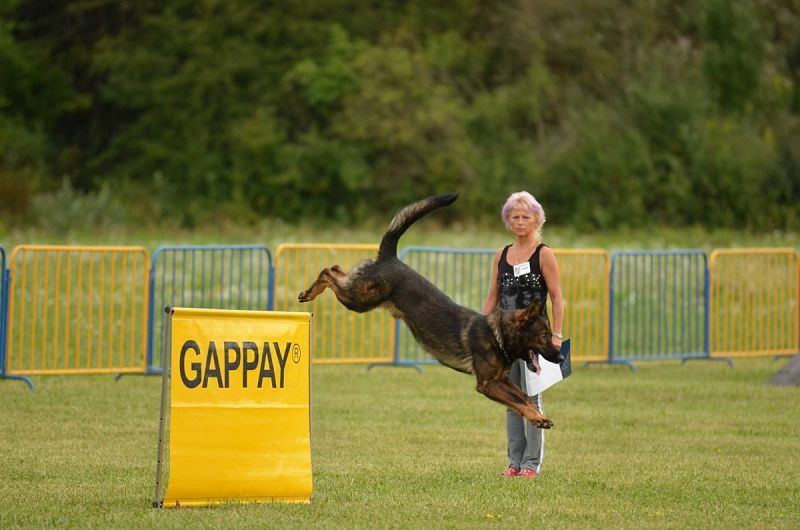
point(162, 471)
point(165, 375)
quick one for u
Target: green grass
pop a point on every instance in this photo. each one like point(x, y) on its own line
point(698, 445)
point(694, 446)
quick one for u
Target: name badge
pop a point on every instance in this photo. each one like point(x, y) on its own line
point(522, 268)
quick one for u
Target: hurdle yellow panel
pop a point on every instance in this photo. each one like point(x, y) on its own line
point(77, 309)
point(753, 302)
point(240, 413)
point(340, 335)
point(585, 289)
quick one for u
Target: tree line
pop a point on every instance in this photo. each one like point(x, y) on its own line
point(613, 113)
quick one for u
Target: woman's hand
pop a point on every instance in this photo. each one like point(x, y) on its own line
point(556, 342)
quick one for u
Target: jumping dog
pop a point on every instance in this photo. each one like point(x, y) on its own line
point(460, 338)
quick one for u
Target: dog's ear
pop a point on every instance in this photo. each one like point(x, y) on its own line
point(532, 312)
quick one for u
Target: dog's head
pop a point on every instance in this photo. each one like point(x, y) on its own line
point(528, 333)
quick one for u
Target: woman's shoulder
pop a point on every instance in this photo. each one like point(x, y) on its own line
point(546, 252)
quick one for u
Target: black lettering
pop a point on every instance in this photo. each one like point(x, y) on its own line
point(248, 365)
point(266, 357)
point(236, 356)
point(231, 365)
point(212, 356)
point(190, 383)
point(282, 360)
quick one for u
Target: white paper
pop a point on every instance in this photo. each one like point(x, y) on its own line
point(549, 375)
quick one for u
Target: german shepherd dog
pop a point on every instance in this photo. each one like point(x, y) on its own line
point(463, 339)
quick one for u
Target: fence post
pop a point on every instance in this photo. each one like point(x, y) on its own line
point(150, 310)
point(5, 281)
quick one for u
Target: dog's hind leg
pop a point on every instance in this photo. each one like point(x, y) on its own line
point(505, 392)
point(354, 290)
point(326, 278)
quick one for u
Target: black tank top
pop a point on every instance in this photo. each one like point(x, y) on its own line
point(518, 291)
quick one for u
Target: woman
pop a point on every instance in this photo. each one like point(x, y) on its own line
point(524, 271)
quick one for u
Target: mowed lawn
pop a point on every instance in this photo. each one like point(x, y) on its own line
point(699, 445)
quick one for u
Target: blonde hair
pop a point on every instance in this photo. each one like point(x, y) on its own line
point(524, 201)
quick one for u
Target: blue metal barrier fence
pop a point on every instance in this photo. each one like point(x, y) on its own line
point(207, 276)
point(659, 305)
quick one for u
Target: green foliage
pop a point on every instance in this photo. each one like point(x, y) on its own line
point(21, 162)
point(612, 113)
point(31, 92)
point(66, 209)
point(732, 59)
point(605, 178)
point(741, 161)
point(662, 110)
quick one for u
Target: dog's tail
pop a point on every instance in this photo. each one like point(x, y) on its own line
point(406, 217)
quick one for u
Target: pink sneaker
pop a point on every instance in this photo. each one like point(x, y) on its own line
point(528, 473)
point(511, 472)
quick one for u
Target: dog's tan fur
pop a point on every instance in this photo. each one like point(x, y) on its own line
point(463, 339)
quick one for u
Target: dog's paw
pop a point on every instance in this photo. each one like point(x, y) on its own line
point(544, 423)
point(303, 297)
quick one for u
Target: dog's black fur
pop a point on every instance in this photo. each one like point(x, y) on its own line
point(463, 339)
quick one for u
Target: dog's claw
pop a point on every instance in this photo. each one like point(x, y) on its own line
point(544, 424)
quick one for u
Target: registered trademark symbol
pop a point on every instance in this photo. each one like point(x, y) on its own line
point(296, 353)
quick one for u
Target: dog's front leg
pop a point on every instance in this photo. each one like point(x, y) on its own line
point(505, 392)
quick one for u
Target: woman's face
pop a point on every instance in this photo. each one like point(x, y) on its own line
point(523, 222)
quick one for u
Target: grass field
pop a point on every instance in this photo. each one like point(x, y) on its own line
point(699, 445)
point(668, 446)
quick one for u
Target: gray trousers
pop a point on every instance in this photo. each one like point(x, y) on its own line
point(525, 442)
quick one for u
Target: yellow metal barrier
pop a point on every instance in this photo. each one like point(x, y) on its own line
point(753, 302)
point(77, 309)
point(584, 286)
point(340, 335)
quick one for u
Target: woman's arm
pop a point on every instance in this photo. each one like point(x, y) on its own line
point(552, 276)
